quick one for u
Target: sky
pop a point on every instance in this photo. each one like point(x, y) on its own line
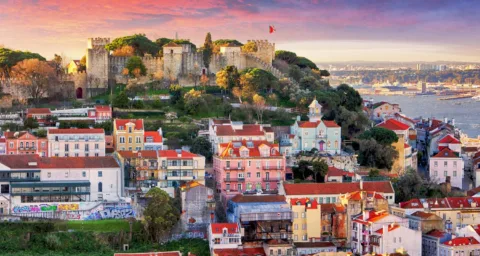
point(321, 30)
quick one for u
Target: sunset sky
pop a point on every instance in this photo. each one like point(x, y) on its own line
point(322, 30)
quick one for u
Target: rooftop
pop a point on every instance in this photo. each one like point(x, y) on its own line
point(252, 147)
point(217, 228)
point(36, 162)
point(446, 153)
point(393, 125)
point(333, 188)
point(424, 215)
point(39, 111)
point(258, 199)
point(247, 130)
point(240, 252)
point(75, 131)
point(138, 123)
point(305, 202)
point(138, 154)
point(333, 171)
point(155, 135)
point(461, 241)
point(390, 228)
point(436, 233)
point(177, 154)
point(449, 139)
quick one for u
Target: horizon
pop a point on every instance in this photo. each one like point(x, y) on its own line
point(323, 31)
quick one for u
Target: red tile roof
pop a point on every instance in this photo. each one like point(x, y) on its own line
point(461, 241)
point(437, 203)
point(373, 216)
point(333, 188)
point(258, 199)
point(473, 191)
point(151, 154)
point(394, 125)
point(390, 228)
point(157, 138)
point(436, 233)
point(3, 139)
point(333, 171)
point(253, 151)
point(446, 153)
point(25, 162)
point(173, 154)
point(122, 122)
point(327, 208)
point(239, 252)
point(103, 108)
point(449, 139)
point(247, 130)
point(304, 201)
point(424, 215)
point(330, 124)
point(405, 145)
point(412, 136)
point(11, 135)
point(75, 131)
point(314, 244)
point(38, 111)
point(149, 254)
point(217, 228)
point(307, 124)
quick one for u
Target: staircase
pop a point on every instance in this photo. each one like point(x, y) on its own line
point(270, 68)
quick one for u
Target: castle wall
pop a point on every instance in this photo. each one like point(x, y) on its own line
point(172, 61)
point(98, 59)
point(265, 51)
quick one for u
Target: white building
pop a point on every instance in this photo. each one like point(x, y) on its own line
point(224, 236)
point(27, 179)
point(393, 237)
point(76, 142)
point(153, 140)
point(465, 246)
point(445, 164)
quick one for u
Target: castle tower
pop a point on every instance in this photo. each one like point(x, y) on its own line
point(315, 111)
point(172, 60)
point(98, 60)
point(265, 51)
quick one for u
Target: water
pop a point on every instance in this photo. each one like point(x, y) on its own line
point(465, 111)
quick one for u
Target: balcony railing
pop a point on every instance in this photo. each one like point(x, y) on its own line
point(272, 179)
point(27, 148)
point(234, 179)
point(234, 168)
point(354, 239)
point(276, 167)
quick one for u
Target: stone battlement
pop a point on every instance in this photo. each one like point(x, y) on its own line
point(98, 41)
point(263, 44)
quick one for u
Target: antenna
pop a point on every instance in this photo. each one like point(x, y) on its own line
point(176, 35)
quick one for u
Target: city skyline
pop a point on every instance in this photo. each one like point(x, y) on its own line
point(320, 30)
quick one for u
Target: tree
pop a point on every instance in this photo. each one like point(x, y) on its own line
point(135, 67)
point(160, 215)
point(262, 79)
point(373, 173)
point(320, 167)
point(30, 123)
point(303, 168)
point(37, 77)
point(374, 154)
point(250, 47)
point(139, 42)
point(381, 135)
point(207, 50)
point(83, 64)
point(202, 146)
point(204, 80)
point(175, 93)
point(259, 106)
point(289, 57)
point(58, 60)
point(412, 185)
point(42, 133)
point(194, 101)
point(124, 51)
point(349, 98)
point(121, 100)
point(303, 62)
point(9, 58)
point(228, 77)
point(295, 73)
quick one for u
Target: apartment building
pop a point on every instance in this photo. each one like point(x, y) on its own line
point(24, 143)
point(140, 167)
point(223, 236)
point(153, 140)
point(447, 163)
point(128, 134)
point(248, 167)
point(383, 110)
point(424, 221)
point(306, 220)
point(391, 238)
point(432, 240)
point(460, 246)
point(76, 142)
point(3, 146)
point(176, 167)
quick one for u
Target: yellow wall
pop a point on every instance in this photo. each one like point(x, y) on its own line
point(312, 220)
point(133, 135)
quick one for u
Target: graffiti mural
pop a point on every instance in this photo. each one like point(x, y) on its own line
point(112, 213)
point(45, 208)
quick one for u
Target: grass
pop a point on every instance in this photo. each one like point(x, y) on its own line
point(99, 225)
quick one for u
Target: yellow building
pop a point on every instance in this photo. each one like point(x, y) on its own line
point(306, 220)
point(73, 66)
point(128, 134)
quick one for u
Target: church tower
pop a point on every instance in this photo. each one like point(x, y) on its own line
point(314, 111)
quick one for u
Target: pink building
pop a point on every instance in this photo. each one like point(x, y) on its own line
point(76, 142)
point(101, 113)
point(23, 143)
point(248, 167)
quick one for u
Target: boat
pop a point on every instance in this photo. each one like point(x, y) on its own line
point(457, 97)
point(476, 97)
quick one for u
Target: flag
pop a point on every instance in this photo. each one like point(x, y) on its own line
point(272, 29)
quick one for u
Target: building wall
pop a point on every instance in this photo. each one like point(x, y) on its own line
point(165, 171)
point(98, 59)
point(306, 223)
point(133, 145)
point(400, 238)
point(40, 148)
point(452, 167)
point(445, 250)
point(95, 147)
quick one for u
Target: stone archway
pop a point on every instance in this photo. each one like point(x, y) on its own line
point(79, 93)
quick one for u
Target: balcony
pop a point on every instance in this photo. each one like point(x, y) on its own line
point(234, 168)
point(273, 167)
point(234, 179)
point(167, 177)
point(355, 239)
point(272, 179)
point(27, 148)
point(321, 136)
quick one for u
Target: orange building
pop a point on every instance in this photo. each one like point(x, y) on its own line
point(22, 143)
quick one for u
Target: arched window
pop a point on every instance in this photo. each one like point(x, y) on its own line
point(100, 187)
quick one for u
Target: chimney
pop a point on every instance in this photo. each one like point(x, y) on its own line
point(366, 215)
point(361, 184)
point(299, 118)
point(445, 120)
point(453, 121)
point(429, 122)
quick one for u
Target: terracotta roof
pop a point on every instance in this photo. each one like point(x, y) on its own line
point(390, 228)
point(330, 124)
point(327, 208)
point(103, 108)
point(173, 154)
point(439, 203)
point(38, 111)
point(109, 141)
point(394, 125)
point(373, 216)
point(234, 148)
point(461, 241)
point(239, 252)
point(473, 191)
point(247, 130)
point(258, 199)
point(446, 153)
point(405, 145)
point(307, 124)
point(75, 131)
point(436, 233)
point(333, 188)
point(25, 162)
point(268, 129)
point(11, 135)
point(138, 154)
point(3, 139)
point(333, 171)
point(314, 244)
point(156, 137)
point(149, 254)
point(304, 201)
point(470, 149)
point(217, 228)
point(122, 122)
point(449, 139)
point(424, 215)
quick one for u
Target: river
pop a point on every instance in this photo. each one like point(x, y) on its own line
point(465, 111)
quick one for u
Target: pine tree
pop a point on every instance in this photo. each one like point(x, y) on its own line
point(207, 50)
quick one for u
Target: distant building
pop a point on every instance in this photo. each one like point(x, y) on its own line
point(198, 207)
point(432, 240)
point(24, 143)
point(41, 114)
point(459, 246)
point(153, 140)
point(383, 110)
point(76, 142)
point(424, 221)
point(224, 236)
point(312, 248)
point(306, 220)
point(447, 163)
point(3, 146)
point(476, 168)
point(337, 175)
point(128, 134)
point(73, 66)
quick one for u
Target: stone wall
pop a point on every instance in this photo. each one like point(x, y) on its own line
point(98, 59)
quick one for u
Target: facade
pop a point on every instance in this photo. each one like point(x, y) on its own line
point(424, 221)
point(445, 164)
point(469, 231)
point(449, 141)
point(331, 192)
point(76, 142)
point(224, 236)
point(323, 135)
point(391, 238)
point(306, 220)
point(24, 143)
point(459, 246)
point(476, 168)
point(41, 114)
point(97, 114)
point(27, 179)
point(128, 134)
point(153, 140)
point(311, 248)
point(140, 168)
point(3, 146)
point(382, 110)
point(248, 167)
point(225, 131)
point(432, 240)
point(334, 222)
point(337, 175)
point(198, 206)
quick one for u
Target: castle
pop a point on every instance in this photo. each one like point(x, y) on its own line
point(178, 61)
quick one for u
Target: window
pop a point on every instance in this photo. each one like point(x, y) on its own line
point(100, 174)
point(303, 215)
point(76, 154)
point(84, 174)
point(56, 154)
point(138, 139)
point(5, 189)
point(77, 146)
point(295, 226)
point(304, 226)
point(258, 175)
point(66, 174)
point(100, 187)
point(249, 163)
point(435, 173)
point(304, 237)
point(295, 215)
point(66, 154)
point(96, 146)
point(394, 240)
point(248, 175)
point(130, 140)
point(129, 129)
point(49, 174)
point(435, 163)
point(96, 154)
point(66, 147)
point(445, 173)
point(87, 147)
point(454, 173)
point(445, 163)
point(122, 139)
